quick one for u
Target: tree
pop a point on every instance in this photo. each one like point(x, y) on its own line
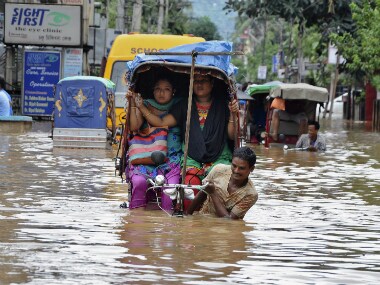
point(332, 12)
point(136, 16)
point(160, 21)
point(175, 17)
point(361, 47)
point(203, 27)
point(327, 15)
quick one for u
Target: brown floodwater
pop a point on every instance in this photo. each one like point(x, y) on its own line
point(316, 220)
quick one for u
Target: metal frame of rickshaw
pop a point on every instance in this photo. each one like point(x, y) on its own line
point(258, 94)
point(187, 70)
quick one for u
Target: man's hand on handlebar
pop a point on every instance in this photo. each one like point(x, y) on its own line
point(210, 187)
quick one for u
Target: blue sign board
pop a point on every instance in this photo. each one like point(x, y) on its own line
point(274, 63)
point(41, 74)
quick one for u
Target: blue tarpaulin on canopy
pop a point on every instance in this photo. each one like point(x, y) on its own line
point(222, 62)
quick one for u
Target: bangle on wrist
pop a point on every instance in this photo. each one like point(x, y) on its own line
point(146, 115)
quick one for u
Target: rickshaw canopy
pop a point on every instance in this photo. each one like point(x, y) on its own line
point(262, 88)
point(220, 62)
point(300, 91)
point(144, 69)
point(81, 102)
point(241, 95)
point(108, 84)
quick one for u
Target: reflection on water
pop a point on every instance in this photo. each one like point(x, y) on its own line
point(316, 220)
point(163, 249)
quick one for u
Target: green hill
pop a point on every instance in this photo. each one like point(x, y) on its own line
point(214, 10)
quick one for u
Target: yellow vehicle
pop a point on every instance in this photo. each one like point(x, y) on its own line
point(125, 48)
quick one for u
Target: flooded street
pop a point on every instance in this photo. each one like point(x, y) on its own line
point(316, 220)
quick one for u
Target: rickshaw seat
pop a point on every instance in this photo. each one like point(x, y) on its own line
point(287, 128)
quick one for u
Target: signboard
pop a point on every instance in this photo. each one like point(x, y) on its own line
point(262, 72)
point(312, 66)
point(333, 55)
point(99, 45)
point(71, 2)
point(277, 61)
point(41, 74)
point(110, 38)
point(41, 25)
point(72, 62)
point(274, 63)
point(281, 73)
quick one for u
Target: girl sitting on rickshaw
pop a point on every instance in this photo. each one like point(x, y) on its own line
point(163, 93)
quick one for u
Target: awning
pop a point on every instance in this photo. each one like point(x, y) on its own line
point(300, 91)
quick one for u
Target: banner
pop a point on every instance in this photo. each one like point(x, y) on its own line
point(262, 72)
point(42, 25)
point(41, 74)
point(72, 62)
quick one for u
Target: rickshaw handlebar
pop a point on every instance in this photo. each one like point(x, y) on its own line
point(185, 186)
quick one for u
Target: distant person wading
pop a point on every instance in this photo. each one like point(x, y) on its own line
point(5, 100)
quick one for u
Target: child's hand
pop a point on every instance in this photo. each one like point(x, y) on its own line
point(138, 100)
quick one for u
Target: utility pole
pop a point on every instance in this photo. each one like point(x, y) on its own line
point(264, 39)
point(286, 63)
point(335, 83)
point(300, 53)
point(136, 16)
point(160, 20)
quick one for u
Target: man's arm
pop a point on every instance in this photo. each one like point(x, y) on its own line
point(241, 208)
point(299, 143)
point(199, 199)
point(220, 208)
point(321, 143)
